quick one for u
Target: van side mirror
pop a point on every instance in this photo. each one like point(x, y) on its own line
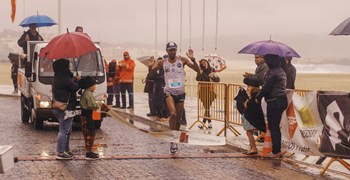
point(28, 69)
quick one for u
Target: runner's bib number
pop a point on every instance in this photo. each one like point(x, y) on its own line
point(175, 83)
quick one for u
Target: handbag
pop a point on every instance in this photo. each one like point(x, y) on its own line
point(60, 105)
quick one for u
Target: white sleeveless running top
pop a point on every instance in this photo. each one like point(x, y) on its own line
point(174, 77)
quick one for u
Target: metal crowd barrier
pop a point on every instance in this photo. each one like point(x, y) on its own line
point(216, 102)
point(212, 104)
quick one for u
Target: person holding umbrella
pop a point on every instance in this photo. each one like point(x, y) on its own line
point(64, 88)
point(31, 35)
point(207, 93)
point(274, 91)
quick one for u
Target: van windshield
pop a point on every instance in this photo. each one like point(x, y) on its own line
point(90, 64)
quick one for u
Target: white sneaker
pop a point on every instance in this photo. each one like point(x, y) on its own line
point(210, 126)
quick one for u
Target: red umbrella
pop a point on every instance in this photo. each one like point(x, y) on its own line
point(68, 45)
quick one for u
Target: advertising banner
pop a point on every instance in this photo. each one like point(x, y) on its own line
point(334, 109)
point(301, 125)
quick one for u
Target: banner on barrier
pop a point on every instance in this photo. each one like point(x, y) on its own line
point(334, 109)
point(301, 125)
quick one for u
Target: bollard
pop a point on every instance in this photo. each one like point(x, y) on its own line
point(6, 158)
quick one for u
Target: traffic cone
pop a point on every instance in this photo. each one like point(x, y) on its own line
point(267, 148)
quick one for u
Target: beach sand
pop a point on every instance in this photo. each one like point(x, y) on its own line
point(331, 82)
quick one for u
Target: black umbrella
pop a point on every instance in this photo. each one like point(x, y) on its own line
point(253, 113)
point(342, 29)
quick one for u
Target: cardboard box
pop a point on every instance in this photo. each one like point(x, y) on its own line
point(6, 158)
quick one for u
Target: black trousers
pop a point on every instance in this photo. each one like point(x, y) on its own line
point(110, 93)
point(14, 81)
point(159, 99)
point(275, 108)
point(151, 103)
point(113, 91)
point(130, 88)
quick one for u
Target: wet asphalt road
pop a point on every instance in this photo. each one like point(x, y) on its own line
point(115, 138)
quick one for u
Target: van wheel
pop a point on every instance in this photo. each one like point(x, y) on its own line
point(24, 112)
point(98, 124)
point(38, 123)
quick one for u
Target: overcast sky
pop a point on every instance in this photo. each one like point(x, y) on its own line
point(120, 21)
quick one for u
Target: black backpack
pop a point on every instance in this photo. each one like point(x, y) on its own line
point(111, 69)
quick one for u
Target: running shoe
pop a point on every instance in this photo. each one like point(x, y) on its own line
point(173, 148)
point(69, 153)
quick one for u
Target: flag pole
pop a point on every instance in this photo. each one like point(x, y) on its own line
point(59, 16)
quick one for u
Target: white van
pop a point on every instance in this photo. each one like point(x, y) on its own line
point(36, 78)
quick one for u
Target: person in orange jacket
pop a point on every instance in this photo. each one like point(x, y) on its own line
point(126, 81)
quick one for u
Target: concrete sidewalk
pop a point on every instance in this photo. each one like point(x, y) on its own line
point(7, 90)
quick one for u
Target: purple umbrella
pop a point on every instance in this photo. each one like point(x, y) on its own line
point(342, 29)
point(269, 47)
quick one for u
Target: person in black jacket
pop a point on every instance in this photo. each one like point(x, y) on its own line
point(64, 88)
point(149, 88)
point(14, 77)
point(159, 96)
point(289, 68)
point(274, 91)
point(30, 35)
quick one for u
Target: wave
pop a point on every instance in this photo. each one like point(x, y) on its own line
point(322, 68)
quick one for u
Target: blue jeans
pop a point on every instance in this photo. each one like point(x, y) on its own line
point(65, 129)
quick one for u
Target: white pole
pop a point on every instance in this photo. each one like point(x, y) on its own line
point(180, 26)
point(190, 23)
point(203, 25)
point(59, 16)
point(24, 9)
point(167, 21)
point(217, 25)
point(156, 30)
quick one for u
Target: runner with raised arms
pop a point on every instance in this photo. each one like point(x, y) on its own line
point(174, 89)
